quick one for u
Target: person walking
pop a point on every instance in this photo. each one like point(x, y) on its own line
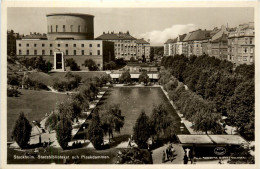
point(185, 159)
point(163, 157)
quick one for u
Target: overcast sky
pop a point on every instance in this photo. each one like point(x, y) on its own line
point(156, 24)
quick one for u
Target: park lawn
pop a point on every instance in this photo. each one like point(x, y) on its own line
point(84, 75)
point(35, 104)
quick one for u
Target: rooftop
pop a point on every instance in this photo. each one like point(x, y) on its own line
point(142, 41)
point(116, 36)
point(211, 139)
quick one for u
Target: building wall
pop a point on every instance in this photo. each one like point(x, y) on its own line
point(241, 45)
point(79, 50)
point(143, 49)
point(166, 49)
point(125, 49)
point(78, 27)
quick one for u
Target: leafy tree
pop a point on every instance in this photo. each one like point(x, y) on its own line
point(134, 156)
point(13, 80)
point(22, 131)
point(95, 132)
point(143, 77)
point(91, 65)
point(207, 120)
point(142, 130)
point(13, 92)
point(69, 108)
point(84, 103)
point(241, 105)
point(63, 132)
point(110, 65)
point(125, 77)
point(159, 121)
point(132, 59)
point(247, 71)
point(52, 121)
point(112, 120)
point(105, 79)
point(72, 64)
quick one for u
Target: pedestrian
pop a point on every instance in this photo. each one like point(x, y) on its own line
point(167, 154)
point(185, 159)
point(163, 157)
point(129, 142)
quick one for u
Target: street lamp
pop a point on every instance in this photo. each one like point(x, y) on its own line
point(84, 133)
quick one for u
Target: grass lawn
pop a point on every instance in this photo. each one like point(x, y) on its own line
point(48, 78)
point(35, 104)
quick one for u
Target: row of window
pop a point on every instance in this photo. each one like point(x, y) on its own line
point(50, 29)
point(51, 52)
point(243, 50)
point(245, 58)
point(125, 54)
point(58, 45)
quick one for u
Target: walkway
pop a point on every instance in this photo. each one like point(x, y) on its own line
point(158, 153)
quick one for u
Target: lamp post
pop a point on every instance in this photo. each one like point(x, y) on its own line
point(84, 133)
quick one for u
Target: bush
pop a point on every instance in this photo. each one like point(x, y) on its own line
point(13, 92)
point(72, 64)
point(95, 132)
point(63, 132)
point(22, 131)
point(91, 65)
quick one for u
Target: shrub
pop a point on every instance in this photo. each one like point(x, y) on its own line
point(22, 131)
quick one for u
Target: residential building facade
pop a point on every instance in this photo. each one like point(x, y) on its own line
point(126, 46)
point(241, 44)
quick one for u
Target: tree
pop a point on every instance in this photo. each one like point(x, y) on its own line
point(142, 130)
point(91, 65)
point(207, 120)
point(72, 64)
point(105, 79)
point(63, 131)
point(152, 54)
point(125, 77)
point(22, 131)
point(95, 132)
point(241, 106)
point(69, 108)
point(132, 59)
point(112, 120)
point(159, 121)
point(143, 77)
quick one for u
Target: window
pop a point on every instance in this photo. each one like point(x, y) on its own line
point(90, 53)
point(82, 45)
point(43, 45)
point(74, 45)
point(50, 44)
point(75, 52)
point(20, 45)
point(251, 50)
point(67, 52)
point(35, 45)
point(50, 52)
point(82, 52)
point(79, 28)
point(51, 28)
point(90, 45)
point(251, 41)
point(245, 50)
point(251, 59)
point(43, 52)
point(56, 28)
point(71, 28)
point(63, 27)
point(98, 52)
point(27, 52)
point(20, 52)
point(35, 52)
point(67, 45)
point(58, 45)
point(245, 58)
point(27, 44)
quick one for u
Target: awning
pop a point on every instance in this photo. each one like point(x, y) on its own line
point(212, 139)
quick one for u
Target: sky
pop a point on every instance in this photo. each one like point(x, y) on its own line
point(155, 24)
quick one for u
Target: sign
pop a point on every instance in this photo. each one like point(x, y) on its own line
point(220, 150)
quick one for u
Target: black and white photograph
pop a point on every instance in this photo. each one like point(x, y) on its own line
point(169, 85)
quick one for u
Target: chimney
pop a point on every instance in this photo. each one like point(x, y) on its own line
point(127, 32)
point(30, 33)
point(104, 33)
